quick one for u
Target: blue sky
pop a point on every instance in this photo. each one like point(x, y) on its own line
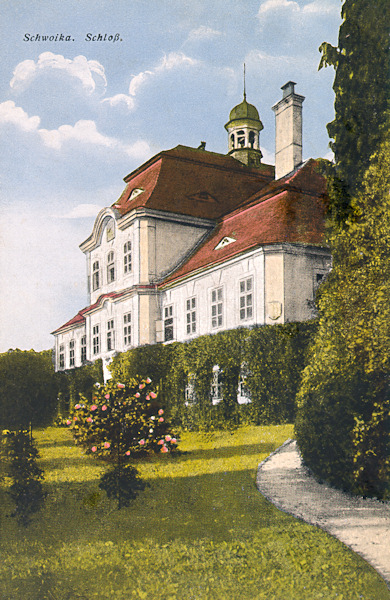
point(77, 116)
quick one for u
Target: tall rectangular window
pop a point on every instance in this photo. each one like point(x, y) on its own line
point(110, 335)
point(71, 353)
point(83, 349)
point(96, 339)
point(127, 257)
point(62, 356)
point(110, 267)
point(191, 315)
point(216, 385)
point(216, 308)
point(168, 323)
point(246, 299)
point(95, 276)
point(127, 329)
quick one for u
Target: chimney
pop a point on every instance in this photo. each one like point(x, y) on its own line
point(288, 131)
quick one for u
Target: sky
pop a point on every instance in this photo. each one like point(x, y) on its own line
point(78, 113)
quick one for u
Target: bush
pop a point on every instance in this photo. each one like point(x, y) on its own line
point(122, 422)
point(26, 489)
point(122, 483)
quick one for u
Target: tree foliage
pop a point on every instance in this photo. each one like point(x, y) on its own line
point(28, 389)
point(343, 423)
point(362, 96)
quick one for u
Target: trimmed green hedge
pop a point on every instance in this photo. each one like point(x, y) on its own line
point(267, 360)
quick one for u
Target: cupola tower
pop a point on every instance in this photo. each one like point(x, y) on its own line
point(244, 128)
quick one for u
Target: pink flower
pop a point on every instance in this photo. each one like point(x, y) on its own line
point(127, 453)
point(93, 448)
point(141, 386)
point(75, 419)
point(107, 444)
point(121, 386)
point(68, 422)
point(153, 395)
point(104, 407)
point(148, 397)
point(161, 412)
point(160, 442)
point(137, 395)
point(141, 442)
point(89, 419)
point(161, 419)
point(173, 441)
point(93, 407)
point(164, 449)
point(168, 438)
point(77, 406)
point(148, 380)
point(107, 396)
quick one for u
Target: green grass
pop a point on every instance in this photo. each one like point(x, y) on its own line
point(201, 531)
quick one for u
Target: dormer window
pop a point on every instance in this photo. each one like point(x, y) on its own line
point(224, 242)
point(136, 192)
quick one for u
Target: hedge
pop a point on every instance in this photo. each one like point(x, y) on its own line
point(268, 360)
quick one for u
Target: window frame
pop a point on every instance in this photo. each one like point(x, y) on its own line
point(217, 318)
point(191, 311)
point(72, 353)
point(83, 349)
point(61, 356)
point(127, 332)
point(246, 312)
point(96, 339)
point(111, 266)
point(95, 275)
point(127, 257)
point(168, 323)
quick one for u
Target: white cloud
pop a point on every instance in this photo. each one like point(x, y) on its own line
point(170, 61)
point(82, 211)
point(10, 113)
point(316, 7)
point(272, 5)
point(270, 61)
point(203, 33)
point(83, 132)
point(89, 73)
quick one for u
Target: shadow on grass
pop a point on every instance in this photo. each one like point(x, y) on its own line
point(227, 451)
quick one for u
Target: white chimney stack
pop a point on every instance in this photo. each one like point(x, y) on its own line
point(288, 131)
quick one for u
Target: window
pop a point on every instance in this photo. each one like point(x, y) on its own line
point(216, 385)
point(110, 267)
point(83, 349)
point(189, 392)
point(168, 323)
point(110, 335)
point(241, 139)
point(191, 315)
point(246, 299)
point(251, 139)
point(127, 329)
point(232, 140)
point(110, 230)
point(62, 357)
point(95, 276)
point(71, 353)
point(216, 308)
point(96, 339)
point(127, 257)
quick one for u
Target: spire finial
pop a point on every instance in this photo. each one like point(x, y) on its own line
point(244, 84)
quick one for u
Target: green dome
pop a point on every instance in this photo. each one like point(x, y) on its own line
point(244, 111)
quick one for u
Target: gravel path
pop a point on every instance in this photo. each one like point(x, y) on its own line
point(362, 524)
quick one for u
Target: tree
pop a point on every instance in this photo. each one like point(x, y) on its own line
point(28, 389)
point(362, 97)
point(343, 425)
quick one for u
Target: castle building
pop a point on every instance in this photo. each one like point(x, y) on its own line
point(201, 242)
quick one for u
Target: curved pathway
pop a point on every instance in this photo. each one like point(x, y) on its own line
point(362, 524)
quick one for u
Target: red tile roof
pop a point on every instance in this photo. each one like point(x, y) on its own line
point(79, 319)
point(192, 182)
point(290, 210)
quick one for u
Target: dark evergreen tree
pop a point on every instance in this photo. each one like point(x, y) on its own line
point(362, 97)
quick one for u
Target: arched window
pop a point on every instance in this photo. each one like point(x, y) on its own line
point(95, 276)
point(232, 140)
point(110, 267)
point(127, 257)
point(251, 139)
point(241, 139)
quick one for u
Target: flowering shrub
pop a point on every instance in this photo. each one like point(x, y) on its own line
point(122, 421)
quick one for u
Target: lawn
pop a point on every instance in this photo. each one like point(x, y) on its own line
point(200, 531)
